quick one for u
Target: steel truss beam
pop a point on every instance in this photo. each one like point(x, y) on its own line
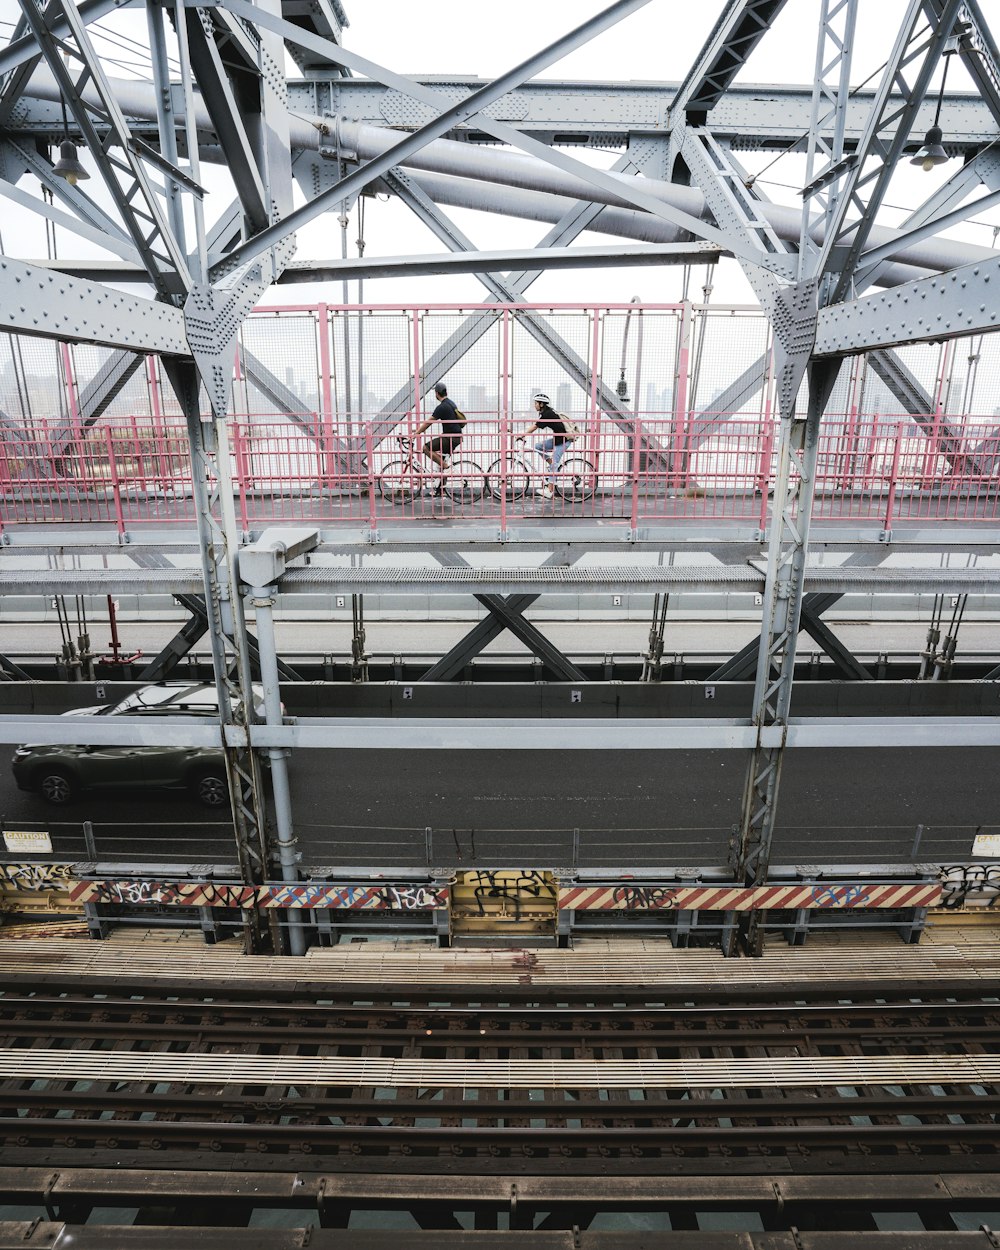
point(628, 191)
point(740, 27)
point(505, 611)
point(227, 629)
point(119, 155)
point(977, 49)
point(794, 490)
point(511, 290)
point(949, 305)
point(483, 579)
point(886, 134)
point(52, 306)
point(466, 109)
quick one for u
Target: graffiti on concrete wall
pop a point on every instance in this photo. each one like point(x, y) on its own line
point(517, 887)
point(970, 885)
point(387, 897)
point(35, 876)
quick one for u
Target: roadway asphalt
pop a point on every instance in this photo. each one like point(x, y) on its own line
point(516, 808)
point(633, 809)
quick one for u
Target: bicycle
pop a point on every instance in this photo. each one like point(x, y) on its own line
point(402, 480)
point(525, 469)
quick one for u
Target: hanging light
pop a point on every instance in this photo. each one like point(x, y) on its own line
point(622, 389)
point(68, 165)
point(932, 153)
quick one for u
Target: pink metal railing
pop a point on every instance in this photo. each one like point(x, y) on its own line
point(134, 471)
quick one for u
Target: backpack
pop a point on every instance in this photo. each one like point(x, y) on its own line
point(573, 431)
point(459, 415)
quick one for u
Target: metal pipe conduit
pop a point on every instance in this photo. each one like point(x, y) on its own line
point(495, 166)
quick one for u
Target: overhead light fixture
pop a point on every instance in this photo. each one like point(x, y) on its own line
point(622, 389)
point(932, 153)
point(68, 165)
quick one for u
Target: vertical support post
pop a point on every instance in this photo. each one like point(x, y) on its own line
point(287, 846)
point(505, 415)
point(418, 373)
point(593, 436)
point(69, 382)
point(890, 502)
point(783, 589)
point(213, 492)
point(116, 493)
point(96, 927)
point(635, 457)
point(241, 456)
point(326, 431)
point(682, 417)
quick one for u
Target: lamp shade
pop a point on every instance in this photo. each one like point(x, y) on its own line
point(932, 153)
point(68, 165)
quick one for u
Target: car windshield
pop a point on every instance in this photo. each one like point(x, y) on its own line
point(154, 697)
point(175, 700)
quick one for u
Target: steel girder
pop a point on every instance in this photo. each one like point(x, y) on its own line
point(885, 137)
point(506, 612)
point(740, 27)
point(793, 493)
point(463, 111)
point(227, 630)
point(541, 733)
point(119, 155)
point(976, 47)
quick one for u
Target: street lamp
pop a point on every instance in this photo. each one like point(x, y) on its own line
point(932, 153)
point(68, 165)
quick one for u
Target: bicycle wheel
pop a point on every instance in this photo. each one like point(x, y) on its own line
point(465, 481)
point(576, 479)
point(397, 482)
point(508, 477)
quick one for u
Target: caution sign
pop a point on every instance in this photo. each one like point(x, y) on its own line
point(986, 844)
point(27, 841)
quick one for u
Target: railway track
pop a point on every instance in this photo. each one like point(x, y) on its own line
point(475, 1092)
point(465, 1085)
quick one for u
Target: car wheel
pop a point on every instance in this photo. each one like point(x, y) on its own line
point(212, 789)
point(56, 785)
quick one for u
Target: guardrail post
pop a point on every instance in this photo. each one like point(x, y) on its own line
point(636, 457)
point(89, 841)
point(116, 493)
point(96, 926)
point(893, 478)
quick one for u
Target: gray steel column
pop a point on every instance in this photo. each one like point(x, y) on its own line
point(794, 490)
point(217, 546)
point(793, 313)
point(262, 599)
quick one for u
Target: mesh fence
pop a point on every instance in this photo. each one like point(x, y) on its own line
point(674, 407)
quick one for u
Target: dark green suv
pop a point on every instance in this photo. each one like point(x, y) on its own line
point(59, 771)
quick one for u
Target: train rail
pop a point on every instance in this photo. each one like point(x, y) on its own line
point(462, 1086)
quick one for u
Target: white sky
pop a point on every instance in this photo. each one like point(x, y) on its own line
point(656, 43)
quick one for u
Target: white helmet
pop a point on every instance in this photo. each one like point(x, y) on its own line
point(540, 398)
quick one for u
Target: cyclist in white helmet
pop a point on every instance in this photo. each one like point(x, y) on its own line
point(553, 447)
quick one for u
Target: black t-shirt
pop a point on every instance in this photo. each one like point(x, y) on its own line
point(549, 419)
point(445, 413)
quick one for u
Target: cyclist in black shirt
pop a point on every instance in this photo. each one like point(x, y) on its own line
point(554, 446)
point(443, 447)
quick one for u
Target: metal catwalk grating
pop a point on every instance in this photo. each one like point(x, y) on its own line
point(792, 1071)
point(692, 578)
